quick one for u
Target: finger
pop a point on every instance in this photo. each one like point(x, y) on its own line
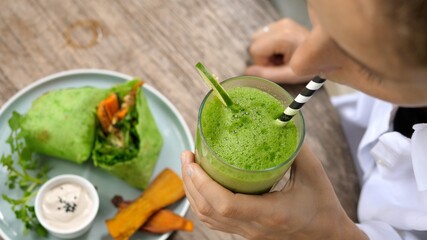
point(197, 201)
point(218, 207)
point(230, 206)
point(264, 48)
point(199, 205)
point(213, 193)
point(187, 157)
point(279, 74)
point(207, 214)
point(270, 28)
point(282, 25)
point(261, 31)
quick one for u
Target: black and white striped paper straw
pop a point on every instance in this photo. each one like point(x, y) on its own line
point(300, 100)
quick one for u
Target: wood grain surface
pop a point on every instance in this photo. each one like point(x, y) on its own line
point(159, 41)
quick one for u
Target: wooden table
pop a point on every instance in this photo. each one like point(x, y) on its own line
point(159, 41)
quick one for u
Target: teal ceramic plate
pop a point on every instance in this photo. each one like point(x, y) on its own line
point(173, 128)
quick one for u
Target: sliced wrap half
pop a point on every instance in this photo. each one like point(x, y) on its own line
point(62, 123)
point(128, 147)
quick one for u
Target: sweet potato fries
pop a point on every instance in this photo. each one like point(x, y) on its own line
point(167, 188)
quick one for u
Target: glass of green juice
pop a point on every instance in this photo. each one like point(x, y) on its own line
point(242, 147)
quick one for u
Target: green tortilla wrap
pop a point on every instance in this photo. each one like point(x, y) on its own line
point(62, 123)
point(135, 161)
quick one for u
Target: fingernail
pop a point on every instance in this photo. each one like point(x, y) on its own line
point(188, 170)
point(185, 157)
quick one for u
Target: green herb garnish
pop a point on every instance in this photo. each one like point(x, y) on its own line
point(24, 174)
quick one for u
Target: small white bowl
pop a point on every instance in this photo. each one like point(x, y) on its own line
point(85, 224)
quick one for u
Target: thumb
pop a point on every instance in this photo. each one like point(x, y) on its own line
point(187, 157)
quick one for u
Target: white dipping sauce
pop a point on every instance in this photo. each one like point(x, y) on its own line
point(66, 206)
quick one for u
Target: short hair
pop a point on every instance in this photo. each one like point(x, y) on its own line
point(409, 18)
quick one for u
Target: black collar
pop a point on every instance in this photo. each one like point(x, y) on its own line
point(407, 117)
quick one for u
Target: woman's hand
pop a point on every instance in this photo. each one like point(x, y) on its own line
point(272, 49)
point(306, 208)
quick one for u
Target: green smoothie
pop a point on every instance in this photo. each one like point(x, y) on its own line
point(242, 147)
point(246, 135)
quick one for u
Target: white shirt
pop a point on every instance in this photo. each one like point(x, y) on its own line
point(392, 169)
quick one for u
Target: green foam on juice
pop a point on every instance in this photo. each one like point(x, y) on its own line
point(245, 135)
